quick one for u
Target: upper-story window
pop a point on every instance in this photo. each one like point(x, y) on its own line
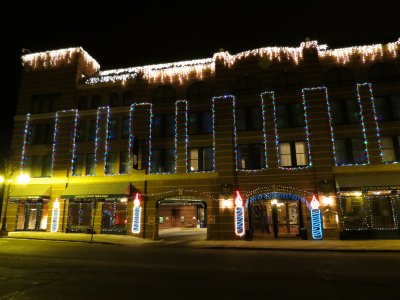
point(340, 77)
point(251, 157)
point(163, 125)
point(200, 90)
point(41, 134)
point(200, 122)
point(113, 101)
point(163, 160)
point(112, 129)
point(77, 165)
point(90, 164)
point(383, 72)
point(387, 107)
point(164, 94)
point(287, 81)
point(82, 102)
point(44, 103)
point(125, 128)
point(124, 162)
point(127, 98)
point(40, 166)
point(92, 130)
point(290, 115)
point(345, 111)
point(246, 85)
point(81, 131)
point(249, 118)
point(201, 159)
point(110, 164)
point(293, 154)
point(350, 151)
point(390, 148)
point(95, 102)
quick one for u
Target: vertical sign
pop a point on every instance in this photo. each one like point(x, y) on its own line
point(316, 222)
point(136, 215)
point(55, 216)
point(239, 215)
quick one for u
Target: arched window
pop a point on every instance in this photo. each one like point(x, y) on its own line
point(95, 102)
point(200, 90)
point(246, 86)
point(339, 76)
point(287, 81)
point(113, 100)
point(82, 102)
point(164, 94)
point(383, 72)
point(127, 99)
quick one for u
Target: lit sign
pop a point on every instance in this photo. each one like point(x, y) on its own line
point(55, 216)
point(239, 215)
point(136, 215)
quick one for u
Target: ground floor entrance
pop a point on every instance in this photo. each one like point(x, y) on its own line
point(31, 215)
point(114, 217)
point(274, 218)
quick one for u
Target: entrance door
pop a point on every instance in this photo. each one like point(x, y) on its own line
point(114, 217)
point(31, 216)
point(263, 222)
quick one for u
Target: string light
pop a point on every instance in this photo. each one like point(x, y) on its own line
point(136, 215)
point(239, 215)
point(276, 195)
point(97, 139)
point(25, 141)
point(185, 137)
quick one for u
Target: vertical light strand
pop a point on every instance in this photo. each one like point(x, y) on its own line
point(186, 139)
point(106, 138)
point(74, 137)
point(97, 138)
point(25, 141)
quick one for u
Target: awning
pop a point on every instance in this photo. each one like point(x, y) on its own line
point(101, 190)
point(30, 191)
point(368, 181)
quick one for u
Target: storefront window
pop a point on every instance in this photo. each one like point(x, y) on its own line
point(382, 212)
point(114, 217)
point(330, 219)
point(80, 216)
point(31, 216)
point(353, 212)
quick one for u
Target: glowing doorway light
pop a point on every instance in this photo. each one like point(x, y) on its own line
point(136, 215)
point(239, 215)
point(55, 216)
point(316, 221)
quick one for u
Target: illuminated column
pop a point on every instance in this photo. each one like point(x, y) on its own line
point(136, 215)
point(316, 222)
point(239, 215)
point(55, 216)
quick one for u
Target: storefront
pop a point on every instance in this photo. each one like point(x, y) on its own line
point(32, 206)
point(98, 207)
point(369, 205)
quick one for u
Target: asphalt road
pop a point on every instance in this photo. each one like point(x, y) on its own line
point(32, 269)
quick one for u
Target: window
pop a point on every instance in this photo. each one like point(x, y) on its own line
point(92, 130)
point(350, 151)
point(77, 165)
point(124, 162)
point(112, 129)
point(293, 154)
point(44, 103)
point(82, 102)
point(339, 77)
point(164, 94)
point(290, 115)
point(163, 125)
point(382, 212)
point(246, 86)
point(353, 212)
point(114, 100)
point(40, 166)
point(251, 157)
point(90, 164)
point(200, 122)
point(80, 131)
point(95, 102)
point(249, 118)
point(390, 148)
point(200, 91)
point(163, 161)
point(127, 98)
point(42, 134)
point(201, 159)
point(387, 107)
point(110, 164)
point(125, 128)
point(345, 112)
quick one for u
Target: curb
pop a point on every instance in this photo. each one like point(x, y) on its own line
point(299, 249)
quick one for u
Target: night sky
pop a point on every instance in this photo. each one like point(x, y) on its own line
point(133, 33)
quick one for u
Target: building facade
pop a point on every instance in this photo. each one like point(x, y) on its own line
point(273, 142)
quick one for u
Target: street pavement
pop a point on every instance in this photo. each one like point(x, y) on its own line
point(196, 238)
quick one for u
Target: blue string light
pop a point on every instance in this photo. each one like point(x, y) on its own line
point(25, 141)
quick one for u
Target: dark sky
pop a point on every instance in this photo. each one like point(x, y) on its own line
point(132, 33)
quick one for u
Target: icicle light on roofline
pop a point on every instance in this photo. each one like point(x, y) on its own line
point(55, 58)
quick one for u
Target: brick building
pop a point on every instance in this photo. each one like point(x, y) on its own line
point(288, 142)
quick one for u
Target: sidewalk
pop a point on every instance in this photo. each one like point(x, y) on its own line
point(278, 244)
